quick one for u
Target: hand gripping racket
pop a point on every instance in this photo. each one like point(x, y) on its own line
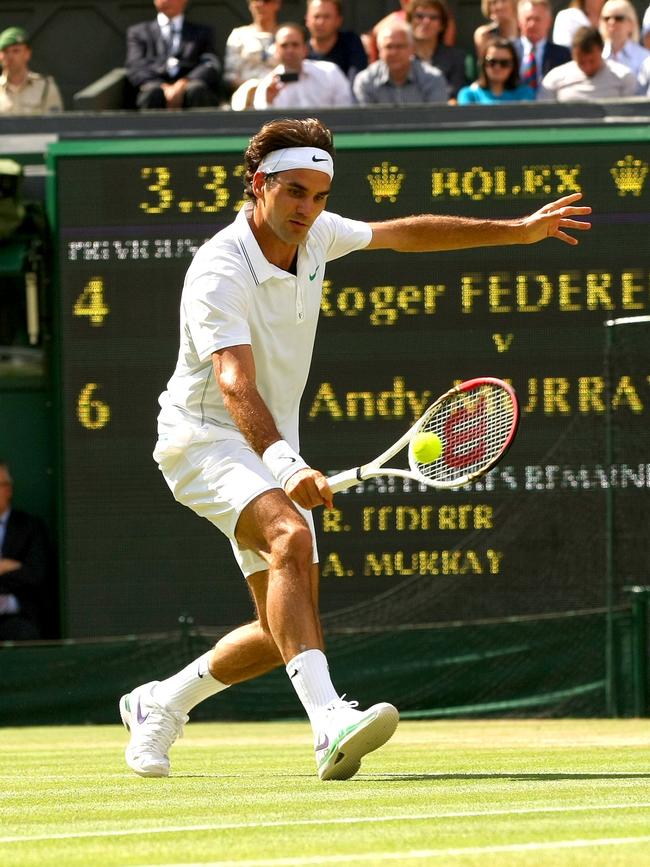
point(476, 422)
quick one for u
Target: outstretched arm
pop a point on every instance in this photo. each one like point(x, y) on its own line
point(431, 232)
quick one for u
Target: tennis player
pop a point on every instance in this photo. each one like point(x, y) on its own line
point(228, 443)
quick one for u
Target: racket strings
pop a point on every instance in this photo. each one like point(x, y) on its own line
point(474, 427)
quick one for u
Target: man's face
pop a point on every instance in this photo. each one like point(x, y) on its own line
point(500, 9)
point(534, 21)
point(290, 48)
point(426, 22)
point(396, 50)
point(15, 59)
point(322, 19)
point(6, 490)
point(170, 8)
point(291, 201)
point(258, 8)
point(590, 62)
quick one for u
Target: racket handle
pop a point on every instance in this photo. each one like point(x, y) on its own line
point(343, 481)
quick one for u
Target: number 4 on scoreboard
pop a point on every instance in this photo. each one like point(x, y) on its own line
point(91, 302)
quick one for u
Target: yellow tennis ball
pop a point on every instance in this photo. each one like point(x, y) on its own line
point(427, 447)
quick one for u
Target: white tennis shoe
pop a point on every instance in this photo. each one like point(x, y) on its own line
point(348, 734)
point(153, 730)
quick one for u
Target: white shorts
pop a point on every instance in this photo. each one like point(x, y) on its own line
point(217, 480)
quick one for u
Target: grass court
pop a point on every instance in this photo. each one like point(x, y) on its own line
point(526, 793)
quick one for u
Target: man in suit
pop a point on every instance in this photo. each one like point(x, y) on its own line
point(171, 61)
point(24, 561)
point(537, 54)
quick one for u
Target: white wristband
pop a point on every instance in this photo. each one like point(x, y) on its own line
point(283, 461)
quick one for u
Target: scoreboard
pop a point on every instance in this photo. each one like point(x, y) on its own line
point(395, 331)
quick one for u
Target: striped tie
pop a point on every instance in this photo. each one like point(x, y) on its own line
point(530, 69)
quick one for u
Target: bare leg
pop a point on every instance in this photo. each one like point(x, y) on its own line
point(250, 651)
point(243, 654)
point(287, 595)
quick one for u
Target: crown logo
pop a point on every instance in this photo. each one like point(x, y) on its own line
point(385, 182)
point(629, 175)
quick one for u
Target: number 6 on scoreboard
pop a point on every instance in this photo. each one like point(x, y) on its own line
point(474, 422)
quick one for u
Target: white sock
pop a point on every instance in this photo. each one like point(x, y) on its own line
point(183, 691)
point(310, 677)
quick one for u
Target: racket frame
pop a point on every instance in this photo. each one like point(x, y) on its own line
point(375, 468)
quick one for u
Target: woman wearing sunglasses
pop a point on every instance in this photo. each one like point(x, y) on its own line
point(619, 27)
point(498, 79)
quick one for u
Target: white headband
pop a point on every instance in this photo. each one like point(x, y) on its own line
point(297, 158)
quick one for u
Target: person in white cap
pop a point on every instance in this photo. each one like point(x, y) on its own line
point(228, 442)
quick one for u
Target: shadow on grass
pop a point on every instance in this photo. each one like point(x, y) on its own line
point(551, 777)
point(427, 778)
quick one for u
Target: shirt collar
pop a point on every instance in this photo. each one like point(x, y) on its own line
point(260, 267)
point(626, 51)
point(163, 20)
point(29, 80)
point(526, 44)
point(383, 76)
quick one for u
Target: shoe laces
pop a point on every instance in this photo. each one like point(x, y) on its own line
point(341, 704)
point(162, 728)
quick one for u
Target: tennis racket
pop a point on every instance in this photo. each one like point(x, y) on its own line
point(476, 422)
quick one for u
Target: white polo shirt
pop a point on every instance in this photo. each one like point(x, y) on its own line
point(232, 296)
point(321, 83)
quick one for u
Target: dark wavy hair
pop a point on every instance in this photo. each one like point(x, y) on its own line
point(439, 5)
point(505, 45)
point(284, 133)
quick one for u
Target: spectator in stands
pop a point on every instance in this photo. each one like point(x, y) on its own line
point(370, 39)
point(428, 20)
point(324, 19)
point(21, 90)
point(24, 561)
point(502, 15)
point(297, 82)
point(579, 13)
point(537, 54)
point(619, 27)
point(171, 61)
point(588, 76)
point(645, 29)
point(643, 82)
point(398, 77)
point(498, 79)
point(249, 49)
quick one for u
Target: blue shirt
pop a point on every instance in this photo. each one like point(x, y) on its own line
point(477, 94)
point(3, 528)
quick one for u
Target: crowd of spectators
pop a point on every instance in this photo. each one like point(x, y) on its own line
point(589, 50)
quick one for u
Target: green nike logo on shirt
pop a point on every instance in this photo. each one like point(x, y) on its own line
point(312, 276)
